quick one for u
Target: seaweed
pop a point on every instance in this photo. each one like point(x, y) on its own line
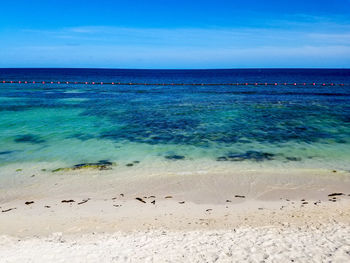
point(100, 165)
point(175, 157)
point(6, 152)
point(29, 138)
point(249, 155)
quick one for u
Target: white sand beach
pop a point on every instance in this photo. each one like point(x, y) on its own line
point(323, 243)
point(251, 216)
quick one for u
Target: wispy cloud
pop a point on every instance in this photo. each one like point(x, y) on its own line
point(296, 41)
point(343, 38)
point(182, 37)
point(185, 57)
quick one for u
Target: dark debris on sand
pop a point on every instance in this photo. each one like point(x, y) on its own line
point(8, 210)
point(335, 194)
point(84, 201)
point(140, 199)
point(68, 201)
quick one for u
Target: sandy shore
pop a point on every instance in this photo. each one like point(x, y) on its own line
point(94, 216)
point(324, 243)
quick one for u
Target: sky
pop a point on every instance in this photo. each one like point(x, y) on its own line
point(175, 34)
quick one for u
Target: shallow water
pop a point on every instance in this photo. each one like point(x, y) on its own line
point(284, 126)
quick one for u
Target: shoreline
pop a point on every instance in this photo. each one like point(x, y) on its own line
point(90, 199)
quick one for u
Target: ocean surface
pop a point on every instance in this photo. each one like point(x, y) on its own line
point(285, 126)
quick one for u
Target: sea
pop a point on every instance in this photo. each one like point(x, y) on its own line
point(222, 125)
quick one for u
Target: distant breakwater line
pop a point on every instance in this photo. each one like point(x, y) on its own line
point(173, 84)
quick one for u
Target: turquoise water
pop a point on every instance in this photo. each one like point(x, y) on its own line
point(306, 126)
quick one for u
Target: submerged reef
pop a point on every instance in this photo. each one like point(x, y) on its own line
point(81, 136)
point(6, 152)
point(175, 157)
point(29, 138)
point(100, 165)
point(256, 156)
point(294, 159)
point(204, 123)
point(249, 155)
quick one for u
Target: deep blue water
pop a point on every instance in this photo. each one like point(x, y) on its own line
point(180, 76)
point(306, 125)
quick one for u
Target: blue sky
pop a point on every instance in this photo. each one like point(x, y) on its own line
point(175, 34)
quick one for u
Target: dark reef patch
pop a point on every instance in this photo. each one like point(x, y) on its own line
point(100, 165)
point(249, 155)
point(174, 157)
point(199, 123)
point(341, 141)
point(81, 136)
point(6, 152)
point(29, 138)
point(154, 128)
point(293, 159)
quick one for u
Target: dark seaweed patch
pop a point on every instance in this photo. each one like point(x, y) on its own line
point(6, 152)
point(101, 162)
point(81, 136)
point(29, 138)
point(190, 125)
point(188, 116)
point(101, 165)
point(15, 107)
point(174, 157)
point(105, 162)
point(244, 141)
point(249, 155)
point(294, 159)
point(156, 129)
point(341, 141)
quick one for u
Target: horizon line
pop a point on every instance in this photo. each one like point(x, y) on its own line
point(243, 68)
